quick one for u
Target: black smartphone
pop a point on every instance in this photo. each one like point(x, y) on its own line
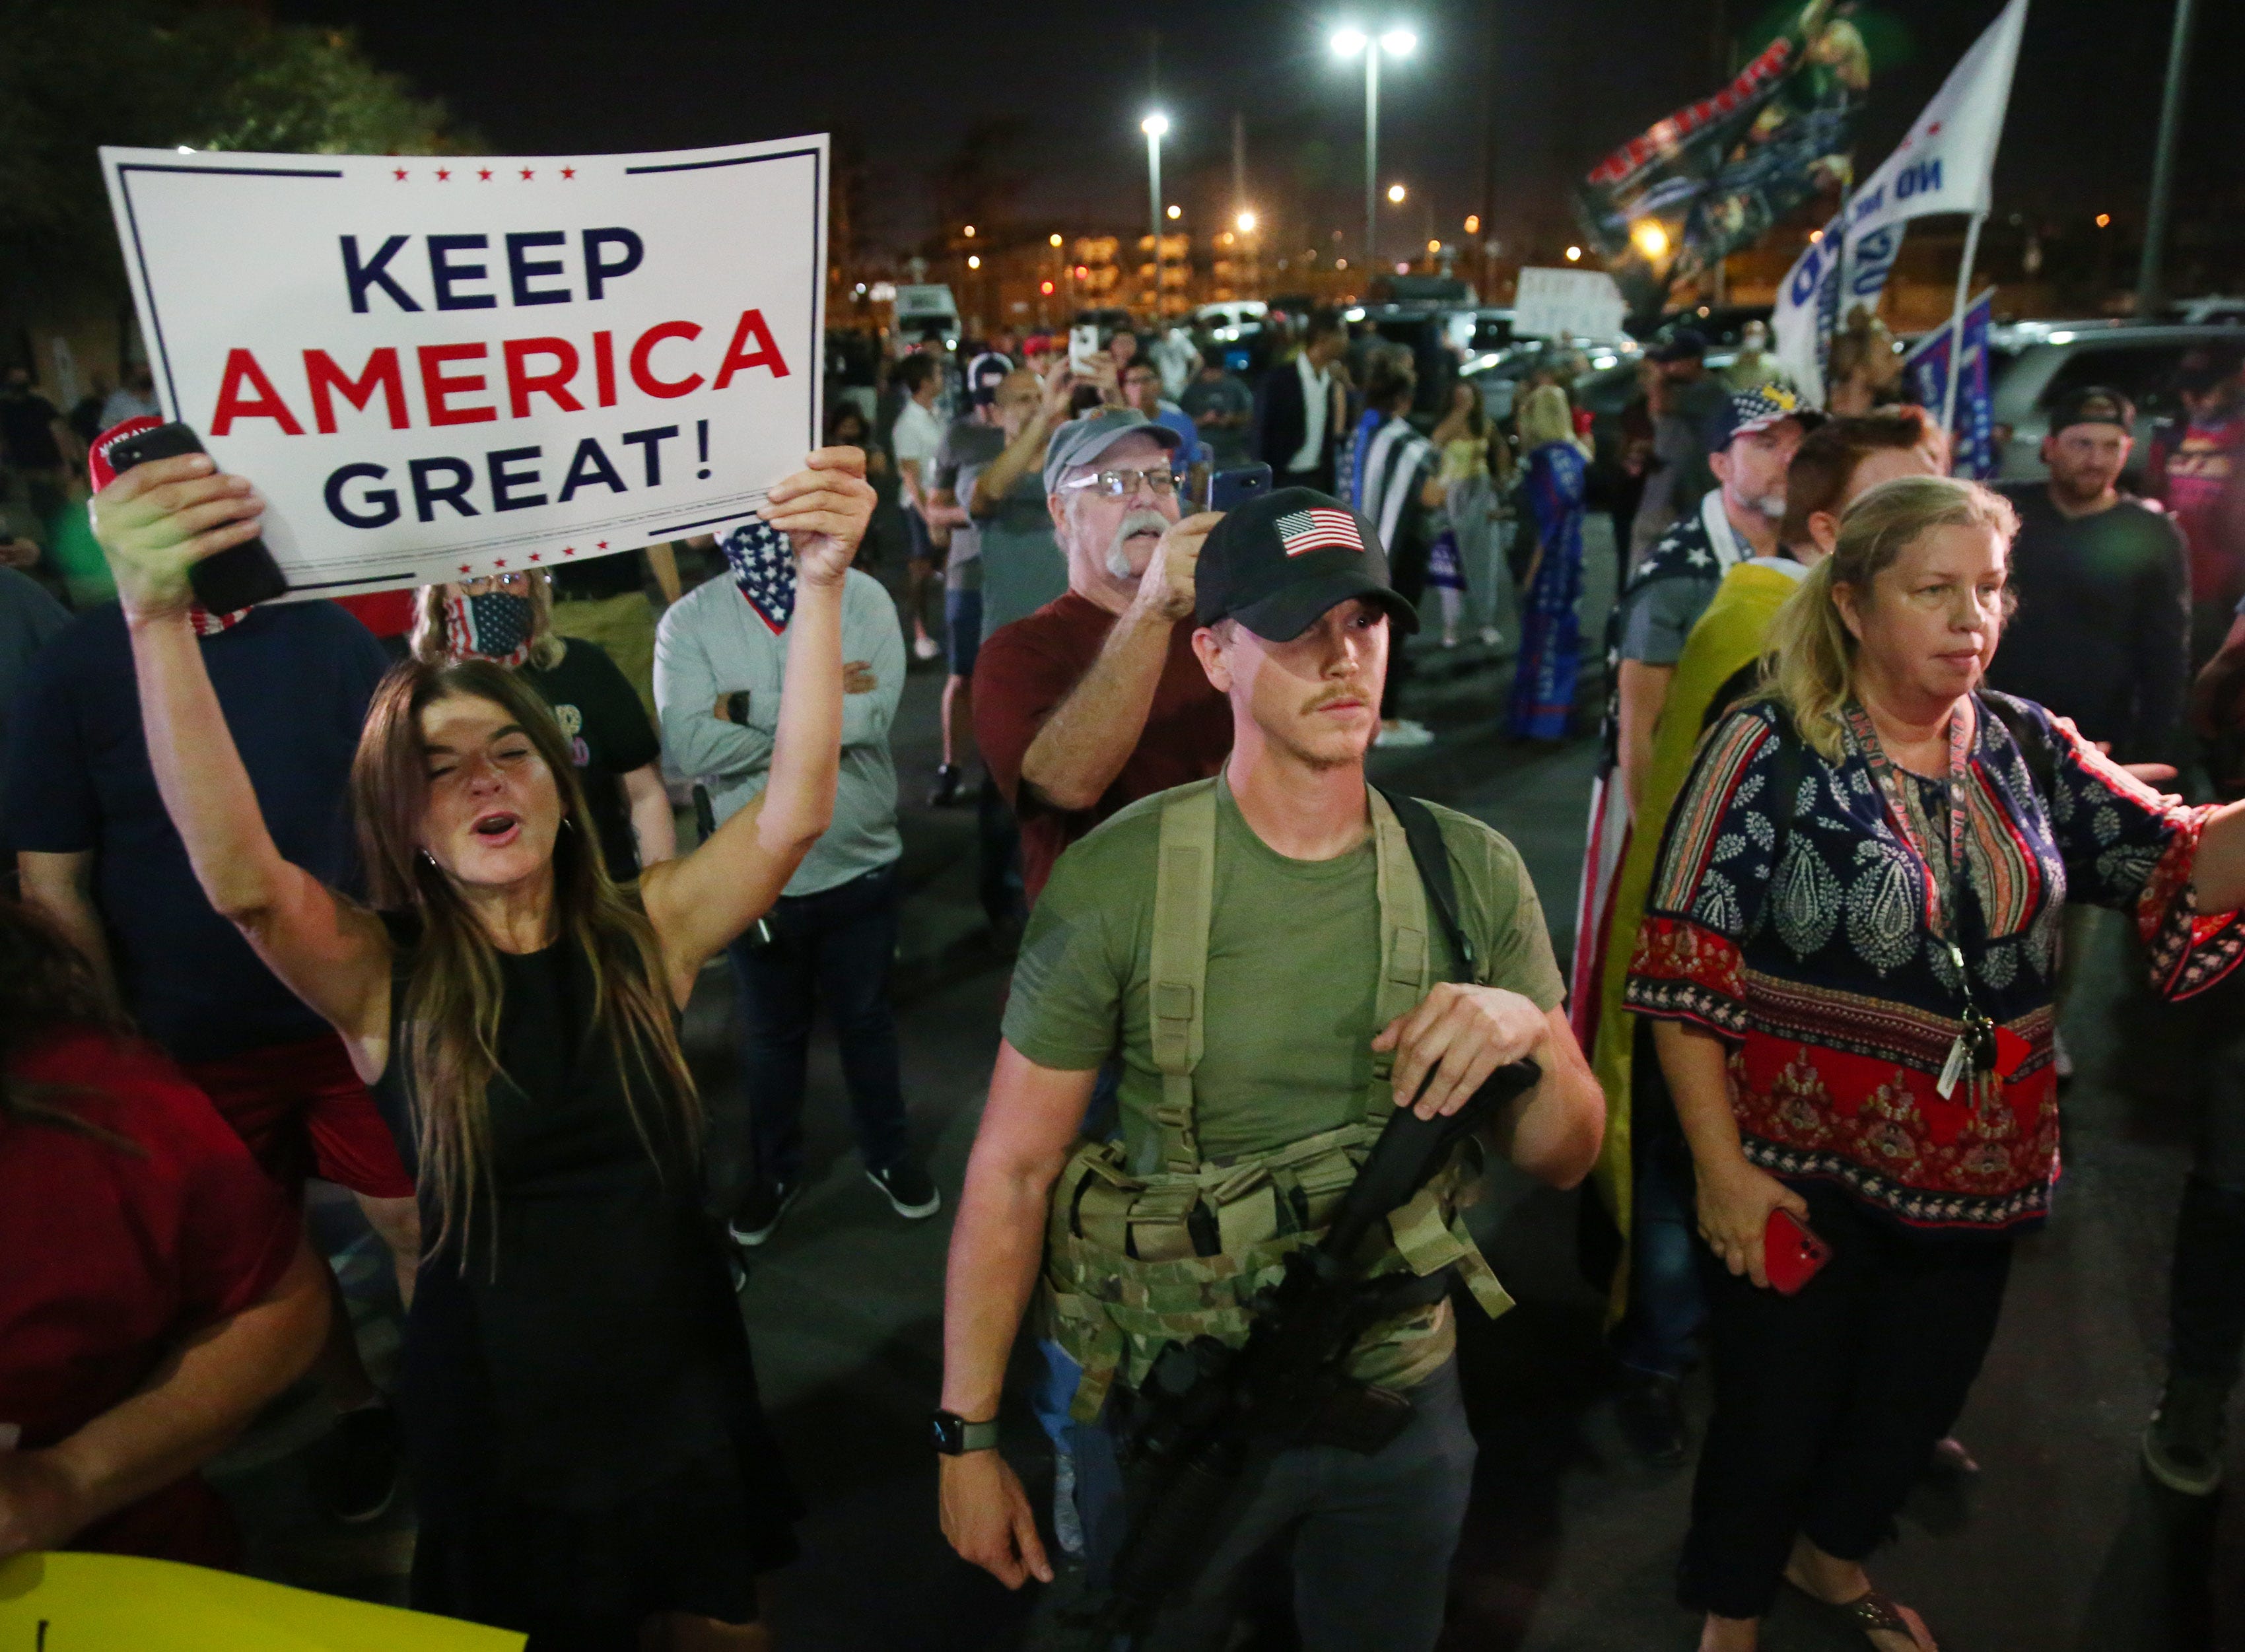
point(1228, 490)
point(239, 577)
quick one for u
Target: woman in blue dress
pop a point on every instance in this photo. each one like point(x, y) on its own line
point(1552, 637)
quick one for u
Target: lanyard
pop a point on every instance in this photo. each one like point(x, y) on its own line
point(1976, 1046)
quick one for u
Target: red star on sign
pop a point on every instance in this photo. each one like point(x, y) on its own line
point(463, 567)
point(568, 550)
point(483, 173)
point(401, 174)
point(533, 556)
point(1934, 128)
point(603, 545)
point(568, 171)
point(526, 172)
point(443, 173)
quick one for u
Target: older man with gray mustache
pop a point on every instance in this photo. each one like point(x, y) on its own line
point(1095, 699)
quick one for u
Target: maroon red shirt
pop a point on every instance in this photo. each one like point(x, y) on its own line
point(115, 1256)
point(1023, 673)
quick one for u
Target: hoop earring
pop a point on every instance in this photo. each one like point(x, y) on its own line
point(427, 857)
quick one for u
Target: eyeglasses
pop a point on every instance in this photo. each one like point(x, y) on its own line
point(1121, 485)
point(500, 582)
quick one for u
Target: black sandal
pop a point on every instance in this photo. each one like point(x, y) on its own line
point(1869, 1612)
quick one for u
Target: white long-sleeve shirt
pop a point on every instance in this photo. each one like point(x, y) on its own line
point(711, 642)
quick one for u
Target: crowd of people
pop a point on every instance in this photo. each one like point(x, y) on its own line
point(424, 926)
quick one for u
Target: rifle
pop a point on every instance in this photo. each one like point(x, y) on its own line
point(1205, 1408)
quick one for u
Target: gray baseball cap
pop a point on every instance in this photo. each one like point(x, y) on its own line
point(1081, 441)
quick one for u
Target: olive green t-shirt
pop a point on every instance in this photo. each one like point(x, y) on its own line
point(1293, 959)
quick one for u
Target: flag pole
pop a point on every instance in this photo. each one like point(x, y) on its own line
point(1956, 332)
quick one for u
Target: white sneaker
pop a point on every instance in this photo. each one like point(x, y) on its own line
point(925, 648)
point(1403, 733)
point(1068, 1525)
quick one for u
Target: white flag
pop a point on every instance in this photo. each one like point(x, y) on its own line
point(1944, 165)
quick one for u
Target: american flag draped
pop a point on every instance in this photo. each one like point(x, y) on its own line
point(762, 560)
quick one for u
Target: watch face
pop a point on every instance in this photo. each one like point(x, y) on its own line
point(950, 1432)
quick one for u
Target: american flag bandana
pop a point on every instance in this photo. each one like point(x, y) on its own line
point(762, 560)
point(1319, 529)
point(494, 627)
point(207, 623)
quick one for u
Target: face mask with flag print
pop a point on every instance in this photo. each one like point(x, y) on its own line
point(762, 560)
point(495, 627)
point(207, 623)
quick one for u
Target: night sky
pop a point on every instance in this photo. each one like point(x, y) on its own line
point(1572, 77)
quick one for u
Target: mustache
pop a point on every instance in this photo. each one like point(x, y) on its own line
point(1140, 521)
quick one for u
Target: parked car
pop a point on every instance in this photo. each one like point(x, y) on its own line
point(2031, 364)
point(1229, 321)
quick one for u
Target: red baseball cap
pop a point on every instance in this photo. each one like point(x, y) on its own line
point(99, 470)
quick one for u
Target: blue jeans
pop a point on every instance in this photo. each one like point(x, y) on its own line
point(1667, 1300)
point(837, 947)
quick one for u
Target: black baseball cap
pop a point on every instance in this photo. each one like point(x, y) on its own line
point(2092, 404)
point(1278, 563)
point(1684, 344)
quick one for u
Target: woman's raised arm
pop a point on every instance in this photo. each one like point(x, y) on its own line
point(700, 901)
point(154, 522)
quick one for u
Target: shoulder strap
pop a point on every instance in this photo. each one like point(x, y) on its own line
point(1423, 834)
point(2033, 739)
point(1405, 957)
point(1184, 894)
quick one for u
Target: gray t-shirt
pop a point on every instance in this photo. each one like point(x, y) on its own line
point(1658, 617)
point(1023, 567)
point(1227, 398)
point(966, 442)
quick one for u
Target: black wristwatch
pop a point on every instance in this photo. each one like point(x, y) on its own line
point(955, 1435)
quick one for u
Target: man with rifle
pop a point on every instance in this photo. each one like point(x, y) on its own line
point(1277, 960)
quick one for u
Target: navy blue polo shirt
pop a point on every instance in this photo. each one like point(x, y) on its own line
point(294, 680)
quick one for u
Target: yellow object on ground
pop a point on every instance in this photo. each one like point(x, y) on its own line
point(70, 1602)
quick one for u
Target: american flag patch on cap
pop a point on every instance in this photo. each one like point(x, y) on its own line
point(1318, 530)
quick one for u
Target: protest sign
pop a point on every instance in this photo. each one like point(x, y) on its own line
point(71, 1602)
point(1926, 372)
point(437, 367)
point(1581, 303)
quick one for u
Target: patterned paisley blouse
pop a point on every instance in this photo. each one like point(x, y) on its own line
point(1806, 943)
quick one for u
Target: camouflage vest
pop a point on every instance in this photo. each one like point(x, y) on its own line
point(1124, 1275)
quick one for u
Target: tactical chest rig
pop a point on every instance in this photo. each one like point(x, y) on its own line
point(1135, 1262)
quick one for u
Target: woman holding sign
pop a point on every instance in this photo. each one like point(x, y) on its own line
point(588, 1450)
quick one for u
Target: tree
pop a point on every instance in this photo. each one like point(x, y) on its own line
point(77, 74)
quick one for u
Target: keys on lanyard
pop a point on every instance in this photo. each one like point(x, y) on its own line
point(1976, 1049)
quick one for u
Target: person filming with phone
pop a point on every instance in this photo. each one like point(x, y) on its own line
point(1850, 953)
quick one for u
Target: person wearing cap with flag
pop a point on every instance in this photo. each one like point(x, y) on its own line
point(1757, 436)
point(1346, 947)
point(1095, 699)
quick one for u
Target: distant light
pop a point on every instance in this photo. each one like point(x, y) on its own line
point(1081, 271)
point(1396, 193)
point(970, 231)
point(1176, 211)
point(1045, 288)
point(1402, 266)
point(1155, 124)
point(1816, 235)
point(1473, 223)
point(1246, 222)
point(1434, 246)
point(861, 287)
point(1649, 238)
point(974, 263)
point(1356, 314)
point(1347, 43)
point(2060, 338)
point(1055, 240)
point(1398, 43)
point(883, 293)
point(1574, 255)
point(184, 150)
point(1340, 263)
point(1601, 363)
point(2104, 220)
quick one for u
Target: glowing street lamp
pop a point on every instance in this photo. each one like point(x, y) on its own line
point(1246, 222)
point(1649, 239)
point(1574, 255)
point(1396, 42)
point(1155, 126)
point(1396, 193)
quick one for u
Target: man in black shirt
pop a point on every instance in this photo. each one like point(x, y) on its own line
point(2103, 584)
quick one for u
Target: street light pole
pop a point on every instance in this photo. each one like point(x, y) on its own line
point(2149, 274)
point(1154, 125)
point(1370, 156)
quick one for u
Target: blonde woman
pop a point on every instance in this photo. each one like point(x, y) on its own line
point(508, 619)
point(589, 1459)
point(1850, 956)
point(1550, 633)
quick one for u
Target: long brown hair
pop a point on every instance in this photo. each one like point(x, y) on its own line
point(46, 984)
point(1809, 662)
point(449, 1015)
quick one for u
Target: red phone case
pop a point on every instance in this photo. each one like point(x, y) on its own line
point(1791, 1252)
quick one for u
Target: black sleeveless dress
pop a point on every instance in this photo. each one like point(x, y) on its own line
point(580, 1411)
